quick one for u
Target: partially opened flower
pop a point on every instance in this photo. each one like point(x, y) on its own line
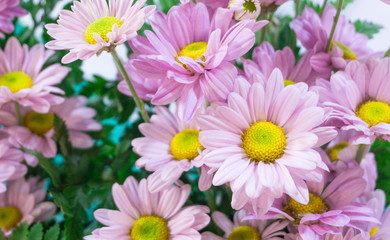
point(169, 148)
point(245, 9)
point(145, 215)
point(245, 229)
point(8, 10)
point(313, 32)
point(95, 25)
point(23, 202)
point(262, 141)
point(360, 100)
point(23, 80)
point(192, 52)
point(330, 208)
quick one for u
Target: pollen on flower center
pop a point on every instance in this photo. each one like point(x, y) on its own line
point(334, 151)
point(249, 6)
point(101, 27)
point(150, 228)
point(374, 112)
point(244, 233)
point(9, 217)
point(348, 53)
point(194, 50)
point(264, 141)
point(16, 81)
point(288, 82)
point(39, 123)
point(298, 210)
point(373, 231)
point(185, 144)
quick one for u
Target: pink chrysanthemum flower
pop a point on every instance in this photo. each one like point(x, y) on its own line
point(329, 208)
point(146, 215)
point(22, 79)
point(262, 142)
point(248, 229)
point(266, 59)
point(37, 129)
point(94, 26)
point(169, 148)
point(313, 32)
point(272, 3)
point(245, 9)
point(23, 202)
point(11, 166)
point(360, 100)
point(8, 10)
point(213, 4)
point(192, 52)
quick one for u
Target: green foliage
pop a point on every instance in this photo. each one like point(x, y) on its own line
point(345, 3)
point(36, 232)
point(367, 28)
point(381, 149)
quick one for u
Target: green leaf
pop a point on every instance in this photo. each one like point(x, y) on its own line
point(36, 232)
point(47, 165)
point(381, 149)
point(367, 28)
point(53, 233)
point(2, 235)
point(20, 233)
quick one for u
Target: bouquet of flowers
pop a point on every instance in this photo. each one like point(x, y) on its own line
point(225, 120)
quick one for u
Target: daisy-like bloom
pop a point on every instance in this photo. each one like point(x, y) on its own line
point(169, 147)
point(266, 59)
point(192, 51)
point(8, 10)
point(259, 144)
point(245, 9)
point(94, 26)
point(37, 130)
point(360, 100)
point(213, 4)
point(144, 215)
point(329, 208)
point(248, 230)
point(313, 32)
point(22, 79)
point(11, 166)
point(23, 202)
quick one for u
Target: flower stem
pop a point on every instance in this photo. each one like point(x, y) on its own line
point(323, 7)
point(335, 20)
point(261, 34)
point(140, 104)
point(360, 153)
point(18, 114)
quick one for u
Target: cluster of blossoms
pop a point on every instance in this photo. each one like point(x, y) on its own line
point(289, 139)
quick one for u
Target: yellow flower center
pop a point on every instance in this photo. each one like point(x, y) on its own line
point(9, 217)
point(194, 50)
point(288, 82)
point(374, 112)
point(334, 151)
point(348, 53)
point(373, 231)
point(150, 228)
point(39, 123)
point(264, 141)
point(244, 233)
point(16, 81)
point(185, 144)
point(101, 27)
point(298, 210)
